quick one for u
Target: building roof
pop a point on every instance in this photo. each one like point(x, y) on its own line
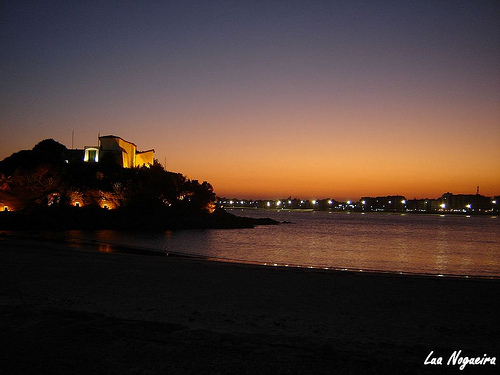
point(132, 143)
point(114, 136)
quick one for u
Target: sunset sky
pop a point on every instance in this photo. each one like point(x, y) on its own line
point(266, 99)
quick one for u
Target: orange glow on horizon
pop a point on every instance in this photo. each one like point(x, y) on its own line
point(338, 166)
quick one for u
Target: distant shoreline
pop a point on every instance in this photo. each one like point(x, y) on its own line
point(363, 212)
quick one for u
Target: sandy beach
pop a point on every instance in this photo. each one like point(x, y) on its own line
point(79, 311)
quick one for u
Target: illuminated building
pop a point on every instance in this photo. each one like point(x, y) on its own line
point(123, 152)
point(465, 202)
point(423, 205)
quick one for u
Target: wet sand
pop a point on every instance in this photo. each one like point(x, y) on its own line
point(75, 311)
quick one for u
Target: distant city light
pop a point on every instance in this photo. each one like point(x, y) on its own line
point(366, 204)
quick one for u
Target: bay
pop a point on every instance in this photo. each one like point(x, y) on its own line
point(453, 245)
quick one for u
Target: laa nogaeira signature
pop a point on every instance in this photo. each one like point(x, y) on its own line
point(457, 359)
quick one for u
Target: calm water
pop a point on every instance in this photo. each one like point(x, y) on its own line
point(429, 244)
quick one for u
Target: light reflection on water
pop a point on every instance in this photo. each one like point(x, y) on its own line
point(450, 245)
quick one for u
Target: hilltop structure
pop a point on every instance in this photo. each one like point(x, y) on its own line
point(53, 182)
point(123, 152)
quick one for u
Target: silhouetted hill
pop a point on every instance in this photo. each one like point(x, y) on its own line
point(46, 151)
point(47, 191)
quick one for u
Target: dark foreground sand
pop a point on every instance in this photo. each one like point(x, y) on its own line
point(70, 311)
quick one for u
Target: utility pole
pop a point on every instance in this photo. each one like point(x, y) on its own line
point(72, 139)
